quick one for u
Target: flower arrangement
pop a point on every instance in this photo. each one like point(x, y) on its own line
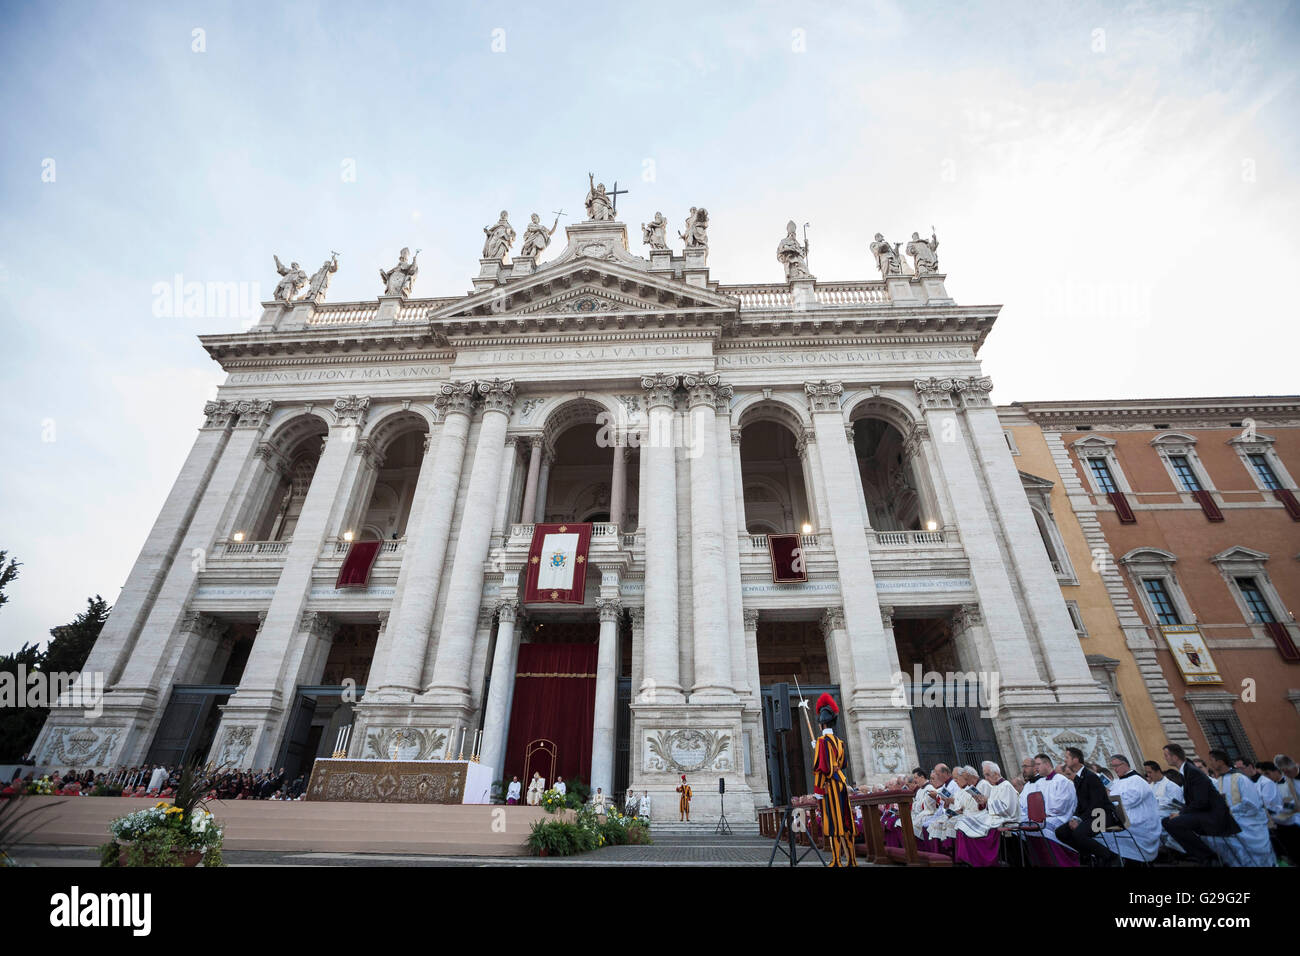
point(181, 833)
point(41, 787)
point(553, 801)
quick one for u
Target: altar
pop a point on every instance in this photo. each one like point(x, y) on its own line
point(400, 781)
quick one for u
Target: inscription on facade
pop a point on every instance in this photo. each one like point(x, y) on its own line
point(367, 373)
point(840, 357)
point(595, 353)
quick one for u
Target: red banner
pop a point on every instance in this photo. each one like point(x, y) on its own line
point(557, 563)
point(355, 572)
point(788, 565)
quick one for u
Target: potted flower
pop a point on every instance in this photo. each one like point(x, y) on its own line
point(182, 833)
point(553, 801)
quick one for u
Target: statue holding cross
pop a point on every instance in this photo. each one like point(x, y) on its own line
point(599, 206)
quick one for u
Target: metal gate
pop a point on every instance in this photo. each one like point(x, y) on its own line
point(949, 732)
point(622, 740)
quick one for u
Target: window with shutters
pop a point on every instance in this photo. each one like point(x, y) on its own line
point(1101, 473)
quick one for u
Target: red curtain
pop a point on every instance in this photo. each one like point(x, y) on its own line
point(555, 697)
point(356, 566)
point(787, 558)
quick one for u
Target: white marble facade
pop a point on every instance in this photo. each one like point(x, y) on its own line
point(435, 424)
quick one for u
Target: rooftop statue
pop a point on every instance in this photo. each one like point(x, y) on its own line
point(888, 261)
point(399, 279)
point(537, 237)
point(655, 233)
point(294, 279)
point(599, 208)
point(793, 254)
point(320, 279)
point(500, 237)
point(697, 224)
point(924, 260)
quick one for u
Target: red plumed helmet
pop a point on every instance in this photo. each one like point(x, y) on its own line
point(826, 700)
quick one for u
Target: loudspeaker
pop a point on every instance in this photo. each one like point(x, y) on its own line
point(781, 708)
point(722, 785)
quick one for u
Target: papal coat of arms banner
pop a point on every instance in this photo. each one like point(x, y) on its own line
point(557, 563)
point(1192, 656)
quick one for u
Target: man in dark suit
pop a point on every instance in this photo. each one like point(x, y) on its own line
point(1092, 815)
point(1205, 811)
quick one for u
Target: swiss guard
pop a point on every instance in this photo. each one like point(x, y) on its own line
point(684, 802)
point(831, 785)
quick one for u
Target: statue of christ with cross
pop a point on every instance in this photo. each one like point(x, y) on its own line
point(600, 207)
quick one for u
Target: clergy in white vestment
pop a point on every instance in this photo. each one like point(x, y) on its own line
point(513, 791)
point(598, 800)
point(1059, 797)
point(536, 787)
point(969, 817)
point(924, 802)
point(560, 787)
point(978, 839)
point(1268, 791)
point(158, 779)
point(643, 809)
point(631, 804)
point(1282, 771)
point(1141, 841)
point(1003, 804)
point(1252, 846)
point(937, 825)
point(1169, 796)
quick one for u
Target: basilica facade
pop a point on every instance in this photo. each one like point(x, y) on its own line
point(685, 420)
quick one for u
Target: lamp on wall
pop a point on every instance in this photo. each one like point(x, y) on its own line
point(931, 525)
point(238, 536)
point(347, 535)
point(807, 528)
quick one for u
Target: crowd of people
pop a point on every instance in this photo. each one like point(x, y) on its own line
point(159, 781)
point(1213, 812)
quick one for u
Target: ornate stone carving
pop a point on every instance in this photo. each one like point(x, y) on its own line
point(536, 236)
point(217, 414)
point(823, 396)
point(832, 619)
point(352, 410)
point(935, 392)
point(887, 754)
point(696, 235)
point(888, 261)
point(705, 389)
point(455, 397)
point(251, 413)
point(751, 617)
point(508, 610)
point(383, 621)
point(967, 616)
point(637, 614)
point(370, 453)
point(81, 747)
point(661, 389)
point(655, 233)
point(632, 404)
point(234, 747)
point(287, 289)
point(400, 278)
point(498, 395)
point(688, 751)
point(924, 260)
point(320, 279)
point(887, 616)
point(610, 609)
point(404, 743)
point(793, 254)
point(529, 406)
point(318, 625)
point(1097, 743)
point(735, 436)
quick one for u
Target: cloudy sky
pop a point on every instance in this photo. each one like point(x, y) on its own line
point(1122, 178)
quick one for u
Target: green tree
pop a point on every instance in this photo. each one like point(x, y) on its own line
point(70, 644)
point(8, 571)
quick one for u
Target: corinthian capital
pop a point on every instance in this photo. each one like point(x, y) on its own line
point(660, 388)
point(823, 396)
point(218, 414)
point(609, 609)
point(251, 413)
point(352, 410)
point(498, 395)
point(455, 397)
point(706, 389)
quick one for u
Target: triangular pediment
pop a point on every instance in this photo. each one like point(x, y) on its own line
point(585, 286)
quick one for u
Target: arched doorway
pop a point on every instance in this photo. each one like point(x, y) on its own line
point(773, 480)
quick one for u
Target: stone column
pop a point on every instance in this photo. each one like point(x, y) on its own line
point(136, 665)
point(529, 512)
point(1067, 667)
point(500, 517)
point(496, 712)
point(805, 445)
point(741, 677)
point(840, 657)
point(260, 699)
point(407, 636)
point(636, 615)
point(1011, 654)
point(618, 491)
point(162, 546)
point(548, 458)
point(450, 683)
point(713, 681)
point(659, 479)
point(857, 476)
point(742, 521)
point(869, 701)
point(602, 736)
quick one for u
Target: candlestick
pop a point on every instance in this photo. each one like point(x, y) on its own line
point(460, 754)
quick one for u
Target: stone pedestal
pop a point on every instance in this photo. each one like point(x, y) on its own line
point(489, 274)
point(388, 306)
point(661, 260)
point(703, 742)
point(804, 293)
point(271, 312)
point(522, 266)
point(695, 266)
